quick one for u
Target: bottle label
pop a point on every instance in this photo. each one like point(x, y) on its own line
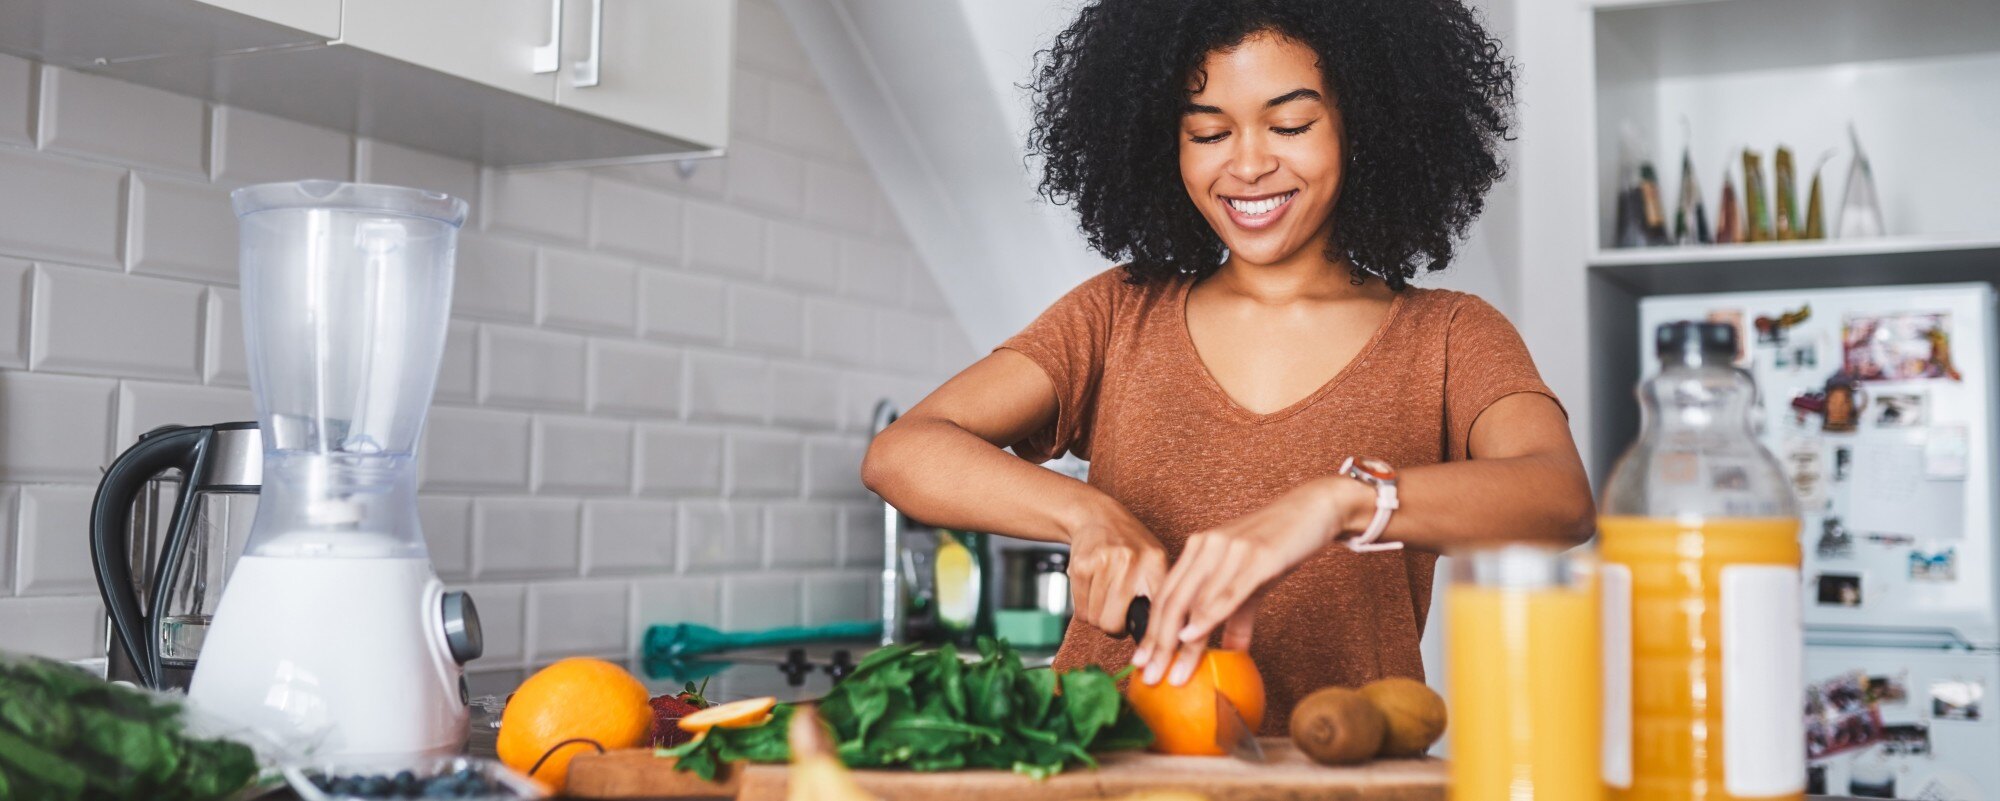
point(1616, 582)
point(1763, 734)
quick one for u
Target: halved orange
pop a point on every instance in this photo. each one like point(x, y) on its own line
point(732, 715)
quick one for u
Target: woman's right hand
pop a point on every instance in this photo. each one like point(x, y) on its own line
point(1113, 558)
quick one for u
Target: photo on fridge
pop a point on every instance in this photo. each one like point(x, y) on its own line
point(1839, 589)
point(1840, 716)
point(1956, 700)
point(1897, 347)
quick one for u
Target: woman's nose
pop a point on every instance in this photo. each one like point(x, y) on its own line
point(1251, 160)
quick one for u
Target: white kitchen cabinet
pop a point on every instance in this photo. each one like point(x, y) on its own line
point(494, 42)
point(318, 17)
point(657, 65)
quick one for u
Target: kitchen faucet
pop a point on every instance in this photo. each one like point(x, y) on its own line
point(892, 542)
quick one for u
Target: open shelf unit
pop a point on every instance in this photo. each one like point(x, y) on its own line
point(1919, 80)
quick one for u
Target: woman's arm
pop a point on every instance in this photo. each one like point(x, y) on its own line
point(942, 463)
point(1523, 482)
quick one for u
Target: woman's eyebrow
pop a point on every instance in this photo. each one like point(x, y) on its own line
point(1295, 94)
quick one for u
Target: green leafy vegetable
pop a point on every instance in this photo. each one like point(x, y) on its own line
point(930, 710)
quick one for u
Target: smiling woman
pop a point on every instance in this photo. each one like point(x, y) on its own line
point(1282, 432)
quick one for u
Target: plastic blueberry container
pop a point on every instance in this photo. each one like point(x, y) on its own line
point(505, 784)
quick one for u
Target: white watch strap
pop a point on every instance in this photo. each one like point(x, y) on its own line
point(1386, 504)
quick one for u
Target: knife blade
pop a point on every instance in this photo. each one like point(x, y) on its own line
point(1232, 733)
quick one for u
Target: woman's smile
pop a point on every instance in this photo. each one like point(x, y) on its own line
point(1256, 212)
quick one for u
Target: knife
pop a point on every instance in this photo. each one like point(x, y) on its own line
point(1136, 615)
point(1232, 733)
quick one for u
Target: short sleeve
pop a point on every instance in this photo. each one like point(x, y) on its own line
point(1068, 341)
point(1485, 360)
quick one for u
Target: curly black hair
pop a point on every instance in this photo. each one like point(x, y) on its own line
point(1425, 94)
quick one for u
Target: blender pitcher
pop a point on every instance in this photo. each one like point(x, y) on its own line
point(333, 633)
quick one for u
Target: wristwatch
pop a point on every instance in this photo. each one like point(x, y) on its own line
point(1379, 475)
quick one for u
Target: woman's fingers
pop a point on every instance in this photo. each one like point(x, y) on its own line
point(1149, 575)
point(1236, 632)
point(1198, 566)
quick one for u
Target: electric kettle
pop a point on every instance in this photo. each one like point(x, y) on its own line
point(161, 545)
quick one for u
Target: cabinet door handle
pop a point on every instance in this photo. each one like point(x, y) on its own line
point(548, 57)
point(587, 70)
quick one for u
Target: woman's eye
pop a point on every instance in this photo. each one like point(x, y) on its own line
point(1292, 131)
point(1207, 139)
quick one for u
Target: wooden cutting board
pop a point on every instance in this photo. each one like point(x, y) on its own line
point(1286, 776)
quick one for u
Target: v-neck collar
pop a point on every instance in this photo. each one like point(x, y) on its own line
point(1193, 353)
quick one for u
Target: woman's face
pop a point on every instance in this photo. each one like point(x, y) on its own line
point(1261, 148)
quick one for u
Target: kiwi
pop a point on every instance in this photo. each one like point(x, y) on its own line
point(1338, 726)
point(1413, 711)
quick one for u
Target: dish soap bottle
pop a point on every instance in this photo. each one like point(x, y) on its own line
point(1703, 636)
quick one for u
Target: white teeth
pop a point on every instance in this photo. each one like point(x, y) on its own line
point(1259, 207)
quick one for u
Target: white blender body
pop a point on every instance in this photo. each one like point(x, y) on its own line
point(334, 634)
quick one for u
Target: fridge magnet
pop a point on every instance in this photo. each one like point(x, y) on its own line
point(1898, 409)
point(1843, 463)
point(1771, 330)
point(1839, 589)
point(1805, 464)
point(1842, 404)
point(1956, 700)
point(1834, 541)
point(1892, 540)
point(1815, 780)
point(1934, 567)
point(1947, 450)
point(1947, 785)
point(1897, 347)
point(1886, 689)
point(1734, 318)
point(1906, 739)
point(1874, 779)
point(1839, 717)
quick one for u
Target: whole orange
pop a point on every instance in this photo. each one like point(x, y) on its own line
point(1183, 718)
point(574, 699)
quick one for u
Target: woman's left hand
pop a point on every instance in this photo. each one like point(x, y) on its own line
point(1223, 571)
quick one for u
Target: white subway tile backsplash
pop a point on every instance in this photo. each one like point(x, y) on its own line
point(720, 535)
point(90, 321)
point(447, 524)
point(764, 41)
point(72, 210)
point(764, 464)
point(872, 271)
point(70, 627)
point(378, 162)
point(145, 405)
point(668, 600)
point(636, 220)
point(525, 537)
point(475, 449)
point(16, 285)
point(804, 257)
point(54, 427)
point(766, 319)
point(747, 91)
point(55, 541)
point(581, 456)
point(502, 622)
point(924, 294)
point(548, 203)
point(530, 369)
point(704, 177)
point(833, 468)
point(90, 116)
point(495, 279)
point(723, 387)
point(577, 617)
point(840, 196)
point(840, 332)
point(683, 308)
point(587, 292)
point(954, 350)
point(182, 229)
point(677, 460)
point(803, 119)
point(752, 602)
point(907, 341)
point(628, 536)
point(861, 543)
point(725, 240)
point(840, 598)
point(16, 93)
point(765, 177)
point(254, 148)
point(860, 392)
point(634, 378)
point(803, 534)
point(805, 396)
point(458, 371)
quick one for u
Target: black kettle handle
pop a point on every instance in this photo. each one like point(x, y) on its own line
point(110, 550)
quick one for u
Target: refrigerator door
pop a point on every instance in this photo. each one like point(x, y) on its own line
point(1898, 520)
point(1902, 723)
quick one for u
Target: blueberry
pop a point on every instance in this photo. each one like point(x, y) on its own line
point(320, 781)
point(372, 786)
point(405, 785)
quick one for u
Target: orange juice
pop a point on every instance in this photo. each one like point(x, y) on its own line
point(1702, 644)
point(1524, 675)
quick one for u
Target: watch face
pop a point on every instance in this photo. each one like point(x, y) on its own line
point(1376, 468)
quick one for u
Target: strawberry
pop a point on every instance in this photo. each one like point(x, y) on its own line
point(667, 712)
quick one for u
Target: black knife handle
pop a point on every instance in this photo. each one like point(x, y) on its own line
point(1136, 616)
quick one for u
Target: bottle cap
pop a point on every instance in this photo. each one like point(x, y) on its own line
point(1693, 344)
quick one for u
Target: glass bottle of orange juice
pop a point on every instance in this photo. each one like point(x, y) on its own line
point(1703, 638)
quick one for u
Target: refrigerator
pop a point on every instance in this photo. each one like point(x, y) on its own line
point(1880, 402)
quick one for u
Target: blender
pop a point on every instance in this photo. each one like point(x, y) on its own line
point(334, 635)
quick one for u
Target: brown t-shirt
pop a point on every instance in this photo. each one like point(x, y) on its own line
point(1164, 439)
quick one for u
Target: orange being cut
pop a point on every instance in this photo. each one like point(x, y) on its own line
point(732, 715)
point(575, 706)
point(1183, 718)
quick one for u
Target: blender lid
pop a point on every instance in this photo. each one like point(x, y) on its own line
point(381, 198)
